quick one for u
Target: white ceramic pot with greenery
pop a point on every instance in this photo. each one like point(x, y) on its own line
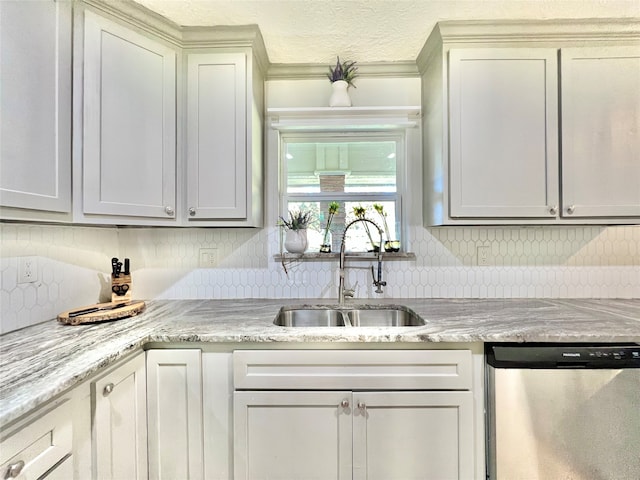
point(295, 240)
point(341, 77)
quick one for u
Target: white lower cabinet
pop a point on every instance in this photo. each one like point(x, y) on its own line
point(359, 435)
point(40, 447)
point(287, 435)
point(354, 415)
point(120, 422)
point(174, 385)
point(412, 435)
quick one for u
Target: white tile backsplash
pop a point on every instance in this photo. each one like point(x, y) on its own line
point(74, 265)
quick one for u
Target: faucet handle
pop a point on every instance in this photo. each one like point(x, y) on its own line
point(380, 285)
point(378, 282)
point(349, 292)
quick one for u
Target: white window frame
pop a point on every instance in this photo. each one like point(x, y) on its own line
point(405, 120)
point(396, 135)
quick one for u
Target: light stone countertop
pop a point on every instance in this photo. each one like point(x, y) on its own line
point(40, 362)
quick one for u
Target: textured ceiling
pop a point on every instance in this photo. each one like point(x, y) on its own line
point(315, 31)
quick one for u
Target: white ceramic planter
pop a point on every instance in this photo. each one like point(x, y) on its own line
point(340, 94)
point(295, 241)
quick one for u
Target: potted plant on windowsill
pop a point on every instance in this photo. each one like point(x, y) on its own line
point(361, 212)
point(296, 231)
point(326, 238)
point(341, 77)
point(390, 245)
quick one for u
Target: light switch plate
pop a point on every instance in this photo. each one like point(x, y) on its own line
point(208, 258)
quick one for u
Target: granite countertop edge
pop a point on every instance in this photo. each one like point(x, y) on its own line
point(69, 355)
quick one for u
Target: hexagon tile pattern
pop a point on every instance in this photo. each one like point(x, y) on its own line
point(525, 262)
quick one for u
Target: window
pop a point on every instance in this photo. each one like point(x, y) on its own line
point(355, 169)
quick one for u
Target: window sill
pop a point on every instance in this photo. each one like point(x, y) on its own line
point(335, 256)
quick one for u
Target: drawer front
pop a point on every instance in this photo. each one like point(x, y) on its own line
point(33, 450)
point(352, 369)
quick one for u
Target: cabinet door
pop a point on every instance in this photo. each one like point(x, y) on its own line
point(503, 132)
point(35, 105)
point(600, 131)
point(34, 449)
point(129, 141)
point(216, 136)
point(174, 386)
point(292, 435)
point(120, 422)
point(413, 435)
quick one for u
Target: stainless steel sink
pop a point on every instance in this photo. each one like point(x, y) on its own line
point(355, 316)
point(386, 317)
point(310, 317)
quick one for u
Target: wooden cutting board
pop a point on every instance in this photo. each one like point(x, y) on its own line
point(104, 312)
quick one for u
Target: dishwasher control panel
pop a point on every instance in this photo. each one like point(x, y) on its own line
point(553, 355)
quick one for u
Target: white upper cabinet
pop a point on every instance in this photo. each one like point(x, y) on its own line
point(531, 123)
point(171, 121)
point(35, 107)
point(503, 132)
point(601, 131)
point(216, 135)
point(129, 123)
point(224, 139)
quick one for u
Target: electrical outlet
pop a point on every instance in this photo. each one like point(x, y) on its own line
point(484, 252)
point(208, 258)
point(27, 269)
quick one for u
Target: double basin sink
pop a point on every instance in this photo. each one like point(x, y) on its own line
point(352, 316)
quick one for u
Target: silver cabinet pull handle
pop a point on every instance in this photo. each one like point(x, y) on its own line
point(108, 388)
point(14, 469)
point(553, 210)
point(362, 405)
point(344, 403)
point(571, 209)
point(169, 210)
point(192, 211)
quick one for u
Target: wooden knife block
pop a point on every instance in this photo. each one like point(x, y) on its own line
point(121, 288)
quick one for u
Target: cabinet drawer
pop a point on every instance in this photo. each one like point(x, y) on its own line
point(352, 369)
point(32, 450)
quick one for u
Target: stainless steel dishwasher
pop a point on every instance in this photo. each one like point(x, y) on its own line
point(563, 411)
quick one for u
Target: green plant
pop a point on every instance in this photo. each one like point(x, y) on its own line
point(298, 220)
point(333, 209)
point(361, 212)
point(380, 209)
point(346, 71)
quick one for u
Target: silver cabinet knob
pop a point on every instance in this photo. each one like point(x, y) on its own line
point(553, 210)
point(108, 388)
point(571, 209)
point(169, 210)
point(14, 469)
point(362, 405)
point(344, 403)
point(192, 211)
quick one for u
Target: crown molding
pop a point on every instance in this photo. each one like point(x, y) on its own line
point(185, 37)
point(559, 32)
point(140, 16)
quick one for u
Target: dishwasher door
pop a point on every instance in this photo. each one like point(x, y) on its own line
point(554, 416)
